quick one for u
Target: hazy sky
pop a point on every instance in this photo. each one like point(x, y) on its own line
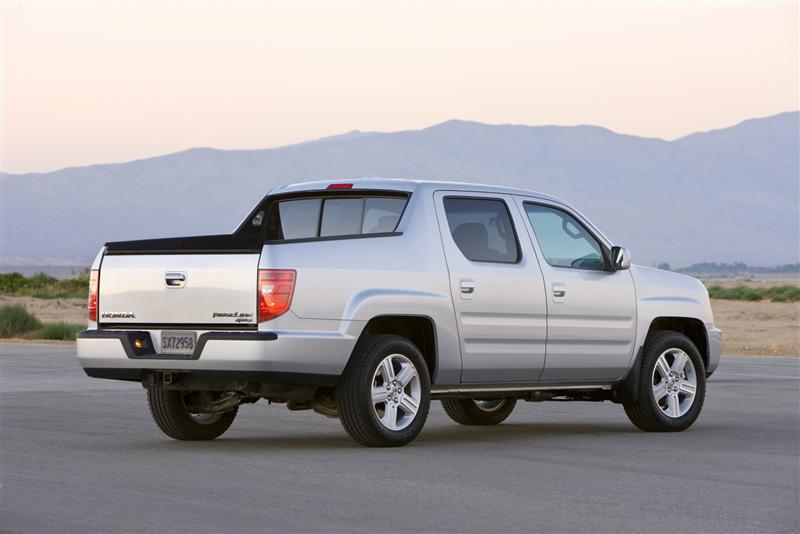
point(98, 82)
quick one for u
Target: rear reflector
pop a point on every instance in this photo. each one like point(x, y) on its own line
point(275, 289)
point(340, 186)
point(94, 278)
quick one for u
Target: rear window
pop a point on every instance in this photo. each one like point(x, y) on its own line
point(298, 218)
point(309, 218)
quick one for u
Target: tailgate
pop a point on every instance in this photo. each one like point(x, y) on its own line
point(178, 289)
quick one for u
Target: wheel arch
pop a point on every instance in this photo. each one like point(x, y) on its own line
point(691, 327)
point(419, 329)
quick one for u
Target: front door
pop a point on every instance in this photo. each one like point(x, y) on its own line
point(591, 322)
point(496, 285)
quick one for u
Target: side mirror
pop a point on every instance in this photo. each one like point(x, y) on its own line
point(620, 258)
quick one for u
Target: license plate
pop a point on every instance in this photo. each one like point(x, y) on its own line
point(178, 342)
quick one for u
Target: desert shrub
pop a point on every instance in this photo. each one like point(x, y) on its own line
point(750, 293)
point(58, 330)
point(11, 282)
point(785, 293)
point(44, 286)
point(15, 320)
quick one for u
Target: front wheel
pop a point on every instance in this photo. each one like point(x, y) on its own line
point(672, 385)
point(171, 412)
point(384, 394)
point(478, 412)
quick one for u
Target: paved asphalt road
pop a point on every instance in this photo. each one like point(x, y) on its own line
point(80, 454)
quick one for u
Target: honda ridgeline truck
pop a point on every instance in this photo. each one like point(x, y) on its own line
point(367, 300)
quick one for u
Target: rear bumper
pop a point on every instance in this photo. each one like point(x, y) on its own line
point(279, 357)
point(714, 348)
point(148, 351)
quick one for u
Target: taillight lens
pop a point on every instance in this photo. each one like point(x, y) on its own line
point(94, 279)
point(275, 289)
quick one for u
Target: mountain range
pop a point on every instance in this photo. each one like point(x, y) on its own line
point(725, 195)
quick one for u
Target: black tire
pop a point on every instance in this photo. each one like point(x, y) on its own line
point(645, 412)
point(174, 419)
point(357, 411)
point(469, 412)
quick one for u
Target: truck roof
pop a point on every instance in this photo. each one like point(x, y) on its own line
point(399, 184)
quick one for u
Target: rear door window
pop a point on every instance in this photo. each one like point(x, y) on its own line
point(482, 229)
point(325, 217)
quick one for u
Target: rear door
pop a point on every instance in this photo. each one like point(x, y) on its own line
point(496, 286)
point(591, 311)
point(194, 290)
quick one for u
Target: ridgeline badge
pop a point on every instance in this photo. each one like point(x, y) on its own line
point(238, 317)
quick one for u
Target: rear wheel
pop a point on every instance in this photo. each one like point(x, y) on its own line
point(672, 385)
point(479, 412)
point(171, 412)
point(384, 394)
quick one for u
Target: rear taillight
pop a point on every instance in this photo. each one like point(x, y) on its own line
point(94, 278)
point(275, 288)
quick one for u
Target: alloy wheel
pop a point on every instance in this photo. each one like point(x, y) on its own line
point(396, 392)
point(674, 383)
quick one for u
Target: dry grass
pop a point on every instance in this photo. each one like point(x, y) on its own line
point(764, 328)
point(758, 328)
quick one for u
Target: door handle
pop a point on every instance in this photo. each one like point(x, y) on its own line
point(467, 287)
point(175, 279)
point(559, 292)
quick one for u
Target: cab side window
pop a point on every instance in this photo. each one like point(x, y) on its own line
point(482, 229)
point(563, 240)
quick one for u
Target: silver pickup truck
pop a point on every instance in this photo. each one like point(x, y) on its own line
point(366, 300)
